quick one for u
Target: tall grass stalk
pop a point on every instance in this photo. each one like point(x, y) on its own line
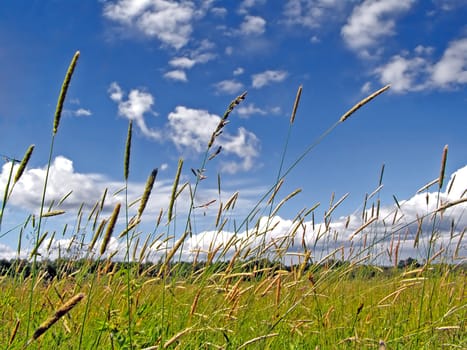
point(56, 122)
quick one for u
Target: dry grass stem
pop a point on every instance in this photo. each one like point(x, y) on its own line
point(362, 103)
point(361, 228)
point(254, 340)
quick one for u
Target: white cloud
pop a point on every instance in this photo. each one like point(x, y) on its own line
point(404, 74)
point(246, 5)
point(394, 226)
point(177, 75)
point(191, 129)
point(366, 87)
point(86, 188)
point(182, 62)
point(219, 11)
point(238, 71)
point(265, 78)
point(253, 25)
point(229, 86)
point(168, 21)
point(83, 112)
point(135, 107)
point(248, 110)
point(420, 72)
point(452, 68)
point(312, 13)
point(372, 20)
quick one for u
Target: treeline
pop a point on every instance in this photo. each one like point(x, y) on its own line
point(61, 268)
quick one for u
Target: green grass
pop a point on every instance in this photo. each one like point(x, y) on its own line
point(240, 295)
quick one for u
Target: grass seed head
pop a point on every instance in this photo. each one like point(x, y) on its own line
point(63, 91)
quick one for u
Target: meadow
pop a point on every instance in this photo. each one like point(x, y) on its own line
point(238, 294)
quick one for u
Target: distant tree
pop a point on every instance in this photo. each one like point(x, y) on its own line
point(409, 262)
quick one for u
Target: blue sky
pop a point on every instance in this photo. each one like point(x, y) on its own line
point(174, 66)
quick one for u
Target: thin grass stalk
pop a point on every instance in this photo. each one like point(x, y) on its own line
point(56, 122)
point(310, 148)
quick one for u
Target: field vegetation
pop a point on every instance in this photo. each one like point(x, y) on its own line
point(240, 293)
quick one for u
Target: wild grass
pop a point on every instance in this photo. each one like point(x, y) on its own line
point(238, 293)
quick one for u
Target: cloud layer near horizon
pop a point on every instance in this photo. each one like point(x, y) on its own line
point(394, 227)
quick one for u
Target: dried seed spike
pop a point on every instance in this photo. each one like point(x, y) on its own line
point(362, 103)
point(62, 311)
point(443, 167)
point(147, 192)
point(110, 228)
point(174, 189)
point(53, 213)
point(126, 159)
point(295, 105)
point(63, 91)
point(96, 236)
point(23, 163)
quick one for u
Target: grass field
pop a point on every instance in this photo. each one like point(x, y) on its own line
point(238, 294)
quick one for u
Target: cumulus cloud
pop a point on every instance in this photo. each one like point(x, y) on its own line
point(253, 25)
point(405, 74)
point(267, 77)
point(177, 75)
point(168, 21)
point(371, 21)
point(63, 178)
point(190, 130)
point(238, 71)
point(452, 68)
point(135, 107)
point(392, 235)
point(229, 86)
point(246, 5)
point(420, 72)
point(182, 62)
point(312, 13)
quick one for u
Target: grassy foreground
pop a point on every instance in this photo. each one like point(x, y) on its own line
point(237, 295)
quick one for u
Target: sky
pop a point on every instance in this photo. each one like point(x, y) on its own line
point(173, 67)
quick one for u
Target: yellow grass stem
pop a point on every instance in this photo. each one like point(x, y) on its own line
point(361, 228)
point(176, 337)
point(254, 340)
point(362, 103)
point(63, 91)
point(172, 252)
